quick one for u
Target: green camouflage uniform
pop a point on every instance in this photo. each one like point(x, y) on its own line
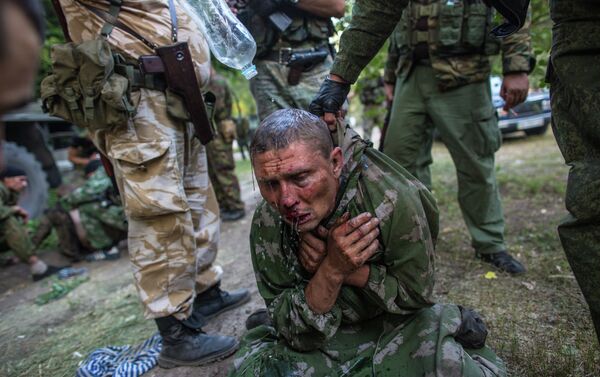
point(13, 233)
point(270, 87)
point(97, 210)
point(575, 94)
point(387, 328)
point(160, 167)
point(372, 97)
point(219, 152)
point(443, 82)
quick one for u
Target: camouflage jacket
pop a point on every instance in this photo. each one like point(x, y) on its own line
point(460, 54)
point(401, 273)
point(8, 199)
point(218, 85)
point(372, 23)
point(575, 29)
point(94, 189)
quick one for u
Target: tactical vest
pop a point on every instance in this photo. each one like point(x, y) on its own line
point(304, 28)
point(453, 27)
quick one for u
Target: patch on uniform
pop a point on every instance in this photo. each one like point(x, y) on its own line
point(387, 205)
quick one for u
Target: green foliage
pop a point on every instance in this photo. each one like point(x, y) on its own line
point(54, 35)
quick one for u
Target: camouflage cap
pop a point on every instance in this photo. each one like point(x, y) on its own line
point(515, 13)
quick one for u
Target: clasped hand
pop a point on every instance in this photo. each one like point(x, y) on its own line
point(347, 245)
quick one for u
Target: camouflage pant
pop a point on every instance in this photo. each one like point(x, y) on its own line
point(65, 230)
point(170, 205)
point(575, 97)
point(271, 90)
point(391, 345)
point(14, 237)
point(221, 169)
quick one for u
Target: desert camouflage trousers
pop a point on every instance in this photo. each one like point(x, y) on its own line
point(389, 345)
point(221, 168)
point(575, 97)
point(170, 205)
point(271, 90)
point(14, 237)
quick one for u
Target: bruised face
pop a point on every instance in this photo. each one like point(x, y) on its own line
point(299, 182)
point(17, 184)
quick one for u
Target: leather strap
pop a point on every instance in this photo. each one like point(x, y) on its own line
point(173, 12)
point(61, 19)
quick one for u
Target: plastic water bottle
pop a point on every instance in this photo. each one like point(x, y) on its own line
point(229, 40)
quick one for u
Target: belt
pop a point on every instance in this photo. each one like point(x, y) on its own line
point(284, 54)
point(138, 80)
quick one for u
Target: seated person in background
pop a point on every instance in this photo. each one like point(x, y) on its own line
point(13, 231)
point(89, 221)
point(82, 151)
point(343, 251)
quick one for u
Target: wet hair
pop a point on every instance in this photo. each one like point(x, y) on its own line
point(284, 127)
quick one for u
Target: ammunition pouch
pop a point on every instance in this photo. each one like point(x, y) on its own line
point(463, 27)
point(84, 88)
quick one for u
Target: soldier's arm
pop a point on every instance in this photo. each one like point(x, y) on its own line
point(323, 8)
point(517, 56)
point(372, 23)
point(5, 210)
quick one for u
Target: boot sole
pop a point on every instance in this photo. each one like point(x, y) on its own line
point(168, 363)
point(230, 307)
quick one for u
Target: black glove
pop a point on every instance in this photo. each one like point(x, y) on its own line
point(330, 98)
point(265, 8)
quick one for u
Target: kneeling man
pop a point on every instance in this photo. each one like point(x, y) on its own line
point(343, 251)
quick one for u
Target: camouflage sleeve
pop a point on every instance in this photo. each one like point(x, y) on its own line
point(391, 62)
point(5, 206)
point(372, 23)
point(283, 291)
point(401, 282)
point(517, 55)
point(94, 187)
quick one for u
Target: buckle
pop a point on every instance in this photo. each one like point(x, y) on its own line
point(283, 50)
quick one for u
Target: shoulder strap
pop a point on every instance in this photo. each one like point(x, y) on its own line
point(61, 19)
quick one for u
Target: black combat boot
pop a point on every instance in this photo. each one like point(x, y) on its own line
point(259, 318)
point(504, 261)
point(184, 346)
point(216, 301)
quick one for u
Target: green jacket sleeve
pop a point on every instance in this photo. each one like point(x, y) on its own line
point(283, 290)
point(372, 23)
point(94, 188)
point(517, 55)
point(6, 209)
point(401, 280)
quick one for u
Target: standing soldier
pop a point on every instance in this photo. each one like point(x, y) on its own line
point(293, 52)
point(372, 97)
point(574, 79)
point(440, 57)
point(159, 166)
point(219, 153)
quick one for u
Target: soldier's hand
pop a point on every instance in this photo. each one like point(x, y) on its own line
point(514, 90)
point(313, 249)
point(329, 100)
point(351, 242)
point(21, 212)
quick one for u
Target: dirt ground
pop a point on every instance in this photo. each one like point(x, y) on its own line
point(538, 322)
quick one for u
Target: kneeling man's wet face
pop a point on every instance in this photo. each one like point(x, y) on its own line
point(300, 182)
